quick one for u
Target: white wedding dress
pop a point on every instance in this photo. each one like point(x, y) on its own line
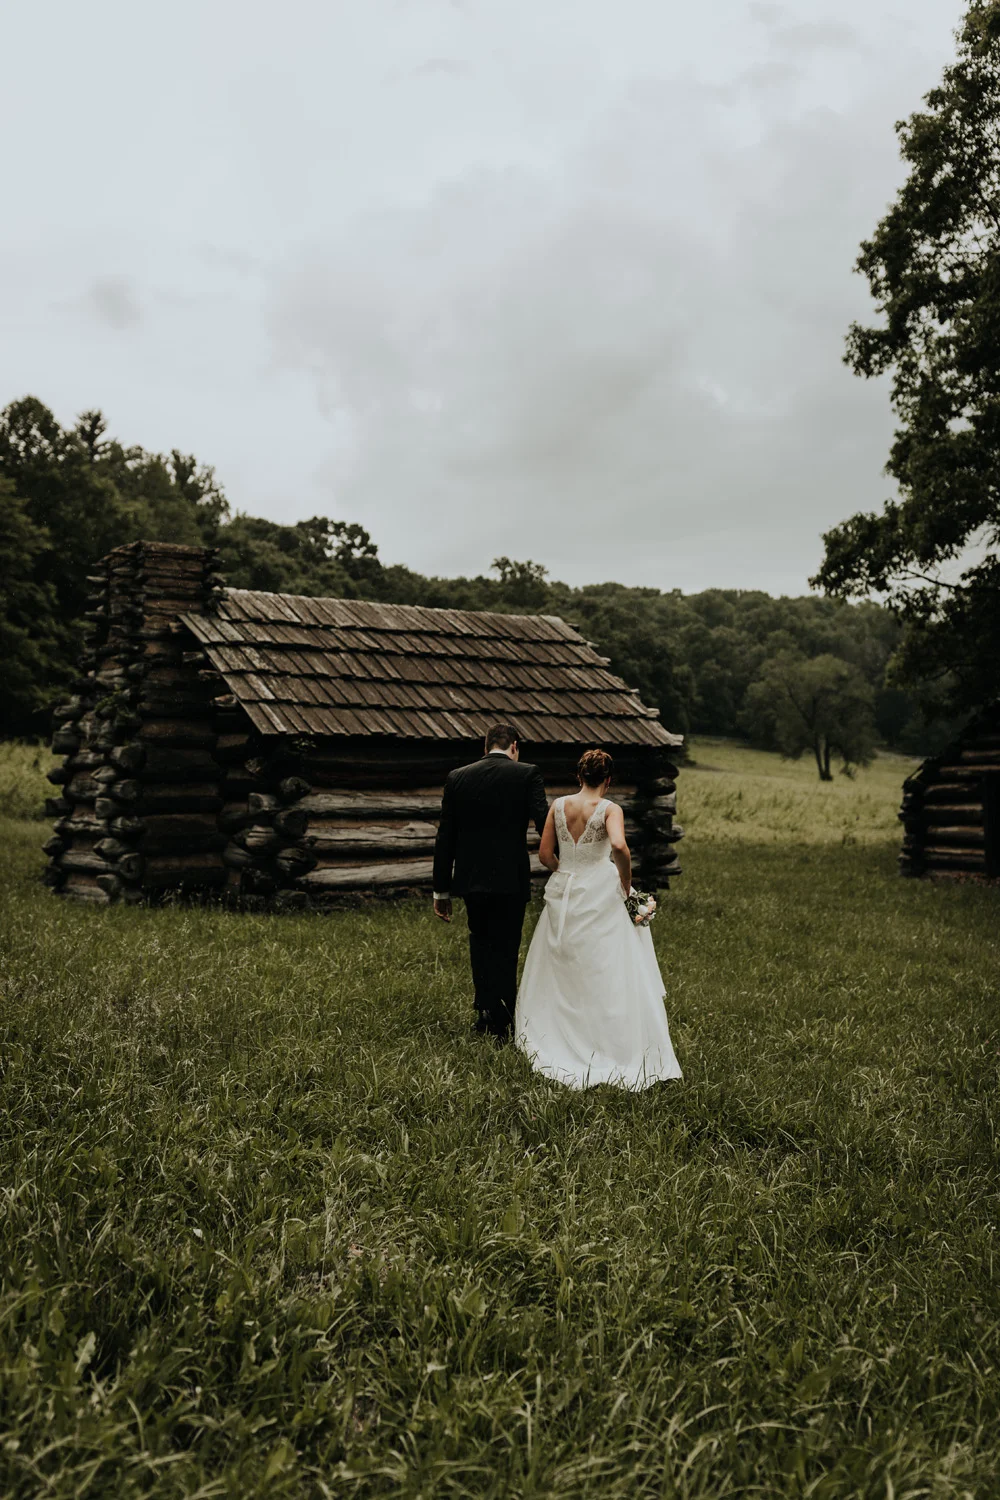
point(590, 1006)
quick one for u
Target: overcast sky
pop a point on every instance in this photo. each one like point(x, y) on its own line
point(561, 279)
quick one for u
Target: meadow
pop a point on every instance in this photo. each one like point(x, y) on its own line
point(23, 787)
point(733, 793)
point(275, 1224)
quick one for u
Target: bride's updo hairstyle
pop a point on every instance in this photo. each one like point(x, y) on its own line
point(594, 768)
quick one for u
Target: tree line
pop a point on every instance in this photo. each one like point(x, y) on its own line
point(806, 674)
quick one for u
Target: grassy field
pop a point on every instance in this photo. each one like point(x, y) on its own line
point(23, 787)
point(734, 794)
point(275, 1224)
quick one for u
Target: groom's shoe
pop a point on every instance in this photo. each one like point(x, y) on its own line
point(503, 1025)
point(502, 1028)
point(480, 1026)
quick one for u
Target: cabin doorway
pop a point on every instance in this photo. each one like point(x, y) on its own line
point(991, 824)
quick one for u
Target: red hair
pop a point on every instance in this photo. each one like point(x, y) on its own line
point(594, 768)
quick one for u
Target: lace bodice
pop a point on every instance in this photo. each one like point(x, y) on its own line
point(592, 846)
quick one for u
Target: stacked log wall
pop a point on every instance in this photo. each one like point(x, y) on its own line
point(948, 808)
point(328, 822)
point(137, 814)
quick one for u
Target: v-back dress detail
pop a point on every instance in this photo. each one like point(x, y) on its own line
point(590, 1007)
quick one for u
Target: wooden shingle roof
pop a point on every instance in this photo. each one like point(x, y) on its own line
point(299, 665)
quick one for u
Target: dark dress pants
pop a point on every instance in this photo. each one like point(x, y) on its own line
point(495, 924)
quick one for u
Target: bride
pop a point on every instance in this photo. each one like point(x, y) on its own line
point(590, 1007)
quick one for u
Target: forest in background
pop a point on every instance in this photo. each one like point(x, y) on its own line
point(712, 662)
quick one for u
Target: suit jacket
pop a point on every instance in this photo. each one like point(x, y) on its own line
point(485, 812)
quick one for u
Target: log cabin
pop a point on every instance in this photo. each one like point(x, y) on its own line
point(951, 808)
point(281, 751)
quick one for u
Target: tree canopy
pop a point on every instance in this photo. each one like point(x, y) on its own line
point(67, 496)
point(933, 266)
point(31, 643)
point(822, 706)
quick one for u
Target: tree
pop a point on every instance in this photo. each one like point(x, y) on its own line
point(31, 646)
point(317, 557)
point(343, 543)
point(522, 584)
point(933, 266)
point(69, 497)
point(822, 705)
point(633, 628)
point(197, 485)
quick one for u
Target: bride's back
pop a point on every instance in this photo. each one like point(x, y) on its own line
point(578, 810)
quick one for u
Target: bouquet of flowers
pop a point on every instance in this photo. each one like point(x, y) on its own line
point(641, 907)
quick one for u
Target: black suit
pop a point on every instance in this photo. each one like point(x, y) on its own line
point(481, 855)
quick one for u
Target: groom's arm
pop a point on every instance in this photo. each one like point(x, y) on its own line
point(444, 853)
point(538, 803)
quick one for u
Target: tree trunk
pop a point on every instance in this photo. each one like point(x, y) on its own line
point(821, 750)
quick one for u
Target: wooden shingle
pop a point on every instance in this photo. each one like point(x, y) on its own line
point(334, 667)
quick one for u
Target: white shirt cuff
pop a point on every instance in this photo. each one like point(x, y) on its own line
point(442, 895)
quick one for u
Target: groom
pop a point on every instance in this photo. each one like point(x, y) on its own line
point(481, 855)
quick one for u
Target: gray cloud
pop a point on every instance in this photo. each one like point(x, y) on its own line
point(791, 34)
point(805, 37)
point(631, 364)
point(765, 14)
point(590, 310)
point(452, 67)
point(227, 258)
point(114, 300)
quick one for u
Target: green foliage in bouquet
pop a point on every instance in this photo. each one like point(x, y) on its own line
point(641, 907)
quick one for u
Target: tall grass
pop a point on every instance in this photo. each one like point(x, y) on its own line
point(23, 787)
point(275, 1224)
point(733, 794)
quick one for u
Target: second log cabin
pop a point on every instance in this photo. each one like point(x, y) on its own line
point(951, 808)
point(284, 751)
